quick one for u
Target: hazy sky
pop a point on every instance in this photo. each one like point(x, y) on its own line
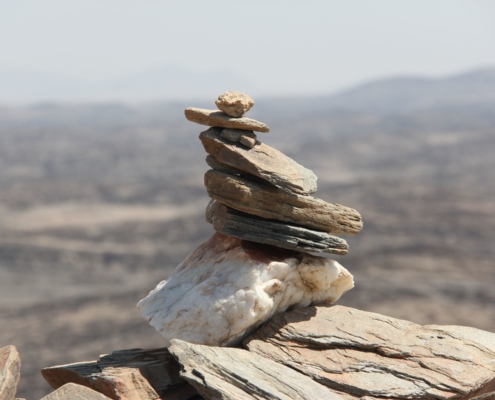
point(281, 47)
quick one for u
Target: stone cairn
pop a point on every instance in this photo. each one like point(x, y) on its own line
point(257, 264)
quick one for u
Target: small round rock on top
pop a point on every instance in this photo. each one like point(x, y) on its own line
point(234, 104)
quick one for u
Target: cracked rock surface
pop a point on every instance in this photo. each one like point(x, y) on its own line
point(233, 374)
point(365, 354)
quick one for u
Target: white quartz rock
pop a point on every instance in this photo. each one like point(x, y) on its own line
point(227, 287)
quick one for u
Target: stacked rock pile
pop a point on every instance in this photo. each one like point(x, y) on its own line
point(257, 264)
point(258, 193)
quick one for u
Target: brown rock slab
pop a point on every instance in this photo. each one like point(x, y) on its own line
point(253, 198)
point(233, 374)
point(126, 375)
point(365, 354)
point(10, 371)
point(261, 161)
point(219, 118)
point(75, 392)
point(235, 104)
point(231, 222)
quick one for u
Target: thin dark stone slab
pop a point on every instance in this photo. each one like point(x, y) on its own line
point(244, 226)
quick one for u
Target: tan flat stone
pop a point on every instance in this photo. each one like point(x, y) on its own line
point(268, 202)
point(219, 118)
point(262, 161)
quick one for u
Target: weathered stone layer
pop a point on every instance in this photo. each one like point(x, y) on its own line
point(367, 354)
point(261, 161)
point(233, 374)
point(268, 202)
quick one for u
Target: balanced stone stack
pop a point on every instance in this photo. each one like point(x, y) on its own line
point(258, 193)
point(257, 264)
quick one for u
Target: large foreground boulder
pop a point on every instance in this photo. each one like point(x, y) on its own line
point(365, 354)
point(227, 287)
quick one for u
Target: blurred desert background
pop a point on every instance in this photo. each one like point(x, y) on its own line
point(101, 200)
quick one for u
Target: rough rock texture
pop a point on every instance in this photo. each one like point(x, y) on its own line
point(126, 375)
point(246, 138)
point(219, 118)
point(262, 161)
point(268, 202)
point(234, 103)
point(367, 354)
point(10, 371)
point(71, 391)
point(234, 374)
point(227, 287)
point(231, 222)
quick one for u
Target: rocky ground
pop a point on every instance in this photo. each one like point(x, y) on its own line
point(95, 210)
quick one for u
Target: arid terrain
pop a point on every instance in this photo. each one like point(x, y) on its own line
point(98, 203)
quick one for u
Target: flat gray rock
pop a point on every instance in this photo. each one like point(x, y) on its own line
point(269, 202)
point(235, 374)
point(219, 118)
point(262, 161)
point(10, 371)
point(231, 222)
point(364, 354)
point(71, 391)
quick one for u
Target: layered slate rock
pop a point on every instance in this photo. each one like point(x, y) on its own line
point(261, 161)
point(234, 104)
point(75, 392)
point(227, 287)
point(254, 198)
point(233, 374)
point(126, 375)
point(220, 119)
point(366, 354)
point(10, 371)
point(244, 226)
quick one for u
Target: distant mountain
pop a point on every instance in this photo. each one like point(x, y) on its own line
point(402, 94)
point(166, 83)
